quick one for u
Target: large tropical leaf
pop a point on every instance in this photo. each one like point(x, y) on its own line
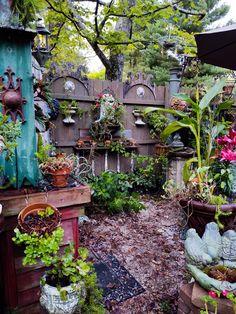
point(186, 172)
point(171, 111)
point(177, 125)
point(224, 105)
point(215, 90)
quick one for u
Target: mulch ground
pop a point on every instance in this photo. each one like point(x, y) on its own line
point(148, 245)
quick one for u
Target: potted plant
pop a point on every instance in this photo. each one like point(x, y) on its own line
point(202, 120)
point(107, 115)
point(69, 108)
point(157, 122)
point(59, 168)
point(70, 281)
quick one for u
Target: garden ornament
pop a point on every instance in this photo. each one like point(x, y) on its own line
point(12, 99)
point(211, 250)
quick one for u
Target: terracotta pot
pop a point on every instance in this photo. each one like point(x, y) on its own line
point(199, 214)
point(161, 150)
point(60, 177)
point(33, 209)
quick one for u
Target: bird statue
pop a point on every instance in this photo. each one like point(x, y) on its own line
point(196, 250)
point(212, 239)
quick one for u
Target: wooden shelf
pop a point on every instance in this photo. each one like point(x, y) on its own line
point(101, 148)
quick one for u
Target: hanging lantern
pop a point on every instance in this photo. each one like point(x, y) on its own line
point(41, 48)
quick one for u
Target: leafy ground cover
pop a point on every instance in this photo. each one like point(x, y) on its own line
point(148, 245)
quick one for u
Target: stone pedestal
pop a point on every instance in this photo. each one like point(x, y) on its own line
point(190, 301)
point(175, 171)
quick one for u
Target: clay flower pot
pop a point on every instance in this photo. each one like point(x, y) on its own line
point(60, 177)
point(28, 223)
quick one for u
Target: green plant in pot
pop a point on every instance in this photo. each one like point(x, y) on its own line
point(69, 108)
point(157, 122)
point(203, 121)
point(70, 282)
point(59, 168)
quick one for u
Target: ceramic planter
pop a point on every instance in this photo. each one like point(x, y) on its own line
point(200, 214)
point(51, 301)
point(68, 119)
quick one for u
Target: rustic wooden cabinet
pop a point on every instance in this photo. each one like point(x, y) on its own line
point(20, 284)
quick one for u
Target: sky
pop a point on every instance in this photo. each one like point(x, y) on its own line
point(232, 11)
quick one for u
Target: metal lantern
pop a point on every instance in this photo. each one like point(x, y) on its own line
point(41, 48)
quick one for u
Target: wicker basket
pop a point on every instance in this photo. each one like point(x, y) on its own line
point(45, 225)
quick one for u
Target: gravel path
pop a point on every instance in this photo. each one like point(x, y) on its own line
point(148, 245)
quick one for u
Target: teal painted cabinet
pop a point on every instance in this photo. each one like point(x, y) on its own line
point(15, 52)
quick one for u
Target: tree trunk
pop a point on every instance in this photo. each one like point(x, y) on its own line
point(115, 70)
point(116, 61)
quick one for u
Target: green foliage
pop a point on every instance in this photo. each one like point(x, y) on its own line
point(111, 191)
point(43, 150)
point(165, 307)
point(43, 247)
point(201, 121)
point(46, 213)
point(99, 75)
point(222, 177)
point(66, 106)
point(9, 132)
point(220, 213)
point(26, 10)
point(209, 300)
point(77, 272)
point(157, 122)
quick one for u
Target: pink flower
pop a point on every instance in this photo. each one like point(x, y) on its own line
point(212, 294)
point(225, 292)
point(227, 154)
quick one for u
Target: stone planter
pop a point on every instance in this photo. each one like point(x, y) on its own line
point(51, 301)
point(199, 214)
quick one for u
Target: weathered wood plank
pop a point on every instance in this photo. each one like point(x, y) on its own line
point(59, 198)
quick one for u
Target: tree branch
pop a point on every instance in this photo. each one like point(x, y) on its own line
point(188, 12)
point(94, 1)
point(103, 22)
point(57, 35)
point(96, 18)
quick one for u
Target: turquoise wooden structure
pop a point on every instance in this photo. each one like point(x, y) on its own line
point(15, 52)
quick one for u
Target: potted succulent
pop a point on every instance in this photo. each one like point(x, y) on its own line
point(69, 108)
point(59, 167)
point(107, 115)
point(70, 282)
point(203, 120)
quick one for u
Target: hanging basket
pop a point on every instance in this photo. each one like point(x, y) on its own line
point(30, 221)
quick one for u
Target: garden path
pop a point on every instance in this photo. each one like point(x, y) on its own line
point(148, 245)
